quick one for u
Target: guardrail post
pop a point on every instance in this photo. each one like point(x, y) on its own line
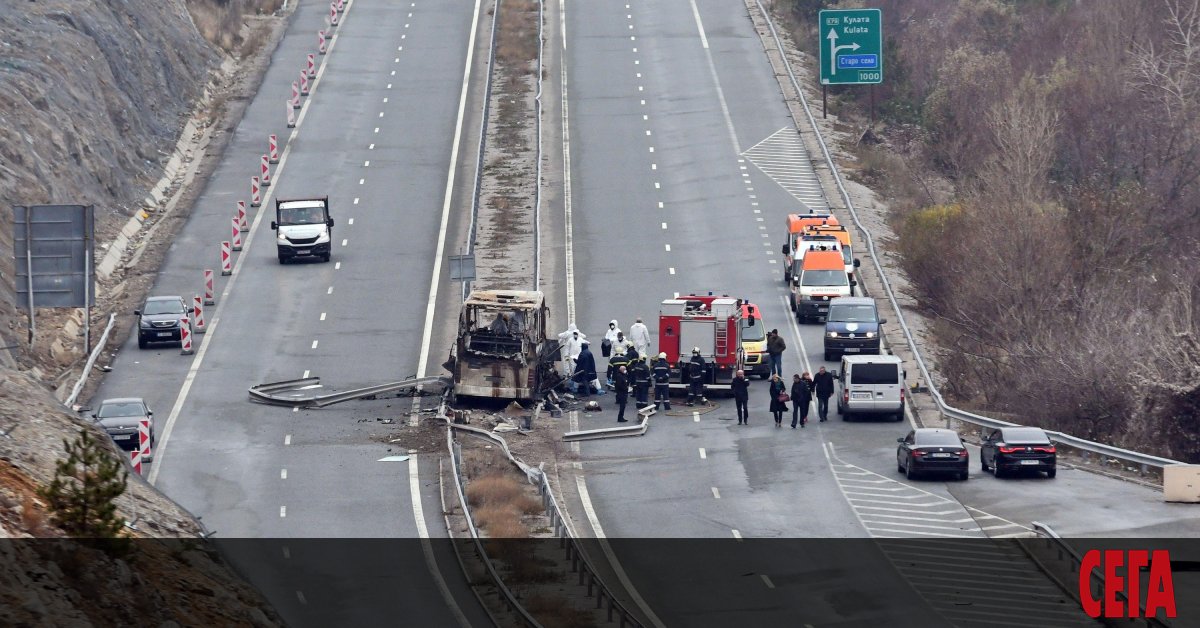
point(599, 598)
point(591, 582)
point(610, 610)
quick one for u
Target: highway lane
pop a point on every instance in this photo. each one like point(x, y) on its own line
point(702, 208)
point(687, 478)
point(376, 137)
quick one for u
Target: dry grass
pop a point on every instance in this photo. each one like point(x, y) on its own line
point(557, 611)
point(493, 490)
point(220, 21)
point(517, 34)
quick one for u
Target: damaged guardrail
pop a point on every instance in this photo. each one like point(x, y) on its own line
point(288, 393)
point(1145, 461)
point(637, 429)
point(588, 576)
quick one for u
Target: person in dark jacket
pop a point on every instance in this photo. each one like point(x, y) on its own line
point(618, 360)
point(823, 389)
point(621, 387)
point(641, 383)
point(801, 398)
point(777, 407)
point(775, 348)
point(585, 370)
point(696, 369)
point(662, 382)
point(741, 396)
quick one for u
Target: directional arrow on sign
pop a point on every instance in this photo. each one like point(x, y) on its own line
point(834, 48)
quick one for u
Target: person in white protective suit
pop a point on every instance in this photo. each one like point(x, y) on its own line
point(610, 338)
point(640, 336)
point(570, 343)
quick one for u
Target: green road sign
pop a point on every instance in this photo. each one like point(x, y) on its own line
point(851, 47)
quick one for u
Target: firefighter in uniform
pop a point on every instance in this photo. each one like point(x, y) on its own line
point(641, 383)
point(662, 382)
point(696, 378)
point(619, 359)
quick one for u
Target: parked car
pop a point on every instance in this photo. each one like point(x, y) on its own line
point(158, 320)
point(870, 385)
point(931, 449)
point(120, 418)
point(852, 326)
point(1017, 449)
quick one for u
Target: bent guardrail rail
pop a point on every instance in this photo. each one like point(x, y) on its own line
point(637, 429)
point(288, 393)
point(588, 576)
point(1145, 461)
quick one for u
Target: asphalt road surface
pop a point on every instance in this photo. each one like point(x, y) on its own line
point(684, 168)
point(376, 137)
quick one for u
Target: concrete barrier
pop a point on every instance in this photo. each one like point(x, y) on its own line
point(1181, 483)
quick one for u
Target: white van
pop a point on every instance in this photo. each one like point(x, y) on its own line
point(870, 384)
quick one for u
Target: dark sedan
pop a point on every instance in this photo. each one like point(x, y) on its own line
point(120, 418)
point(930, 449)
point(159, 320)
point(1015, 449)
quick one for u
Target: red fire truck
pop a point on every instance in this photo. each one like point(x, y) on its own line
point(711, 323)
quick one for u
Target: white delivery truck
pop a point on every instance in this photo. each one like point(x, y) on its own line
point(303, 228)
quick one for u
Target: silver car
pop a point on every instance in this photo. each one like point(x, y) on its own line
point(120, 418)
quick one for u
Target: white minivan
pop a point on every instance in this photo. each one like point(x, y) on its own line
point(870, 385)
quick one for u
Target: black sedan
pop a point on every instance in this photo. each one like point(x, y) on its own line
point(159, 320)
point(1015, 449)
point(120, 418)
point(930, 449)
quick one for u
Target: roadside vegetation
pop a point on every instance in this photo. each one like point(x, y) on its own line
point(1041, 161)
point(220, 21)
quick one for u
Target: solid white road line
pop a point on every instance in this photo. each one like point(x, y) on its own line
point(283, 474)
point(431, 304)
point(566, 148)
point(414, 489)
point(700, 26)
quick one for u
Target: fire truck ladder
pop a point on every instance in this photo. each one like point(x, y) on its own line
point(722, 338)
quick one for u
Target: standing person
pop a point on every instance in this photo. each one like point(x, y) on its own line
point(569, 344)
point(741, 395)
point(641, 383)
point(622, 343)
point(610, 337)
point(775, 348)
point(801, 398)
point(640, 336)
point(585, 369)
point(618, 360)
point(696, 377)
point(778, 407)
point(823, 387)
point(621, 387)
point(662, 383)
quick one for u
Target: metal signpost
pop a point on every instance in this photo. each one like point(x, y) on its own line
point(462, 268)
point(851, 49)
point(53, 250)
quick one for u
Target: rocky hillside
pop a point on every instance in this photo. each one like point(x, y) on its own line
point(93, 99)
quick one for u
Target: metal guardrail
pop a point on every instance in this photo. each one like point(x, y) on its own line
point(537, 182)
point(483, 129)
point(1145, 461)
point(505, 592)
point(91, 361)
point(1066, 552)
point(637, 429)
point(285, 393)
point(580, 564)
